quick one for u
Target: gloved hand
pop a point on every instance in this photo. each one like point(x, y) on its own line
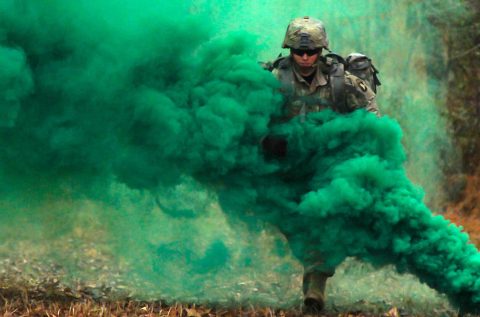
point(274, 146)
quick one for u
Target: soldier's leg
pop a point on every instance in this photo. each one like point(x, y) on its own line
point(316, 271)
point(314, 284)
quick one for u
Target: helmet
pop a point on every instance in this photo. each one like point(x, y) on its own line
point(305, 33)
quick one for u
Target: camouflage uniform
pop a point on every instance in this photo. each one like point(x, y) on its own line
point(302, 97)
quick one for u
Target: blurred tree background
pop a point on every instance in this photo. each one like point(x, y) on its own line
point(461, 35)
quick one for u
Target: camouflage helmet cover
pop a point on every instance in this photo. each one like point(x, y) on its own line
point(305, 33)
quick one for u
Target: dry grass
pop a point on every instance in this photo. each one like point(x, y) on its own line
point(471, 225)
point(467, 212)
point(35, 287)
point(23, 303)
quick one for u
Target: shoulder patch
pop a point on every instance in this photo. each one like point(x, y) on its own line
point(362, 85)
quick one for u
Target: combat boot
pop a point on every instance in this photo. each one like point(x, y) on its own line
point(314, 292)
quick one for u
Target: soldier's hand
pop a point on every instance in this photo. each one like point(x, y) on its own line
point(274, 146)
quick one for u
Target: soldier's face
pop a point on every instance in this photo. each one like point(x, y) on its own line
point(305, 58)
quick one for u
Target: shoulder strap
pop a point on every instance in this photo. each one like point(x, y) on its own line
point(336, 71)
point(337, 82)
point(280, 62)
point(283, 65)
point(335, 57)
point(270, 66)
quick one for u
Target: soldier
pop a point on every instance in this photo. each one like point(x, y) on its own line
point(312, 82)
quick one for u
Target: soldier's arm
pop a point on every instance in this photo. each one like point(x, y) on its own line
point(360, 95)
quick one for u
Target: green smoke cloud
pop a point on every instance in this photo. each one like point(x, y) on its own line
point(140, 109)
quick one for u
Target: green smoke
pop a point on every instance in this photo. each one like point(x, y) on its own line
point(140, 124)
point(403, 45)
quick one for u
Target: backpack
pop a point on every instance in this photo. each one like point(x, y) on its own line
point(361, 66)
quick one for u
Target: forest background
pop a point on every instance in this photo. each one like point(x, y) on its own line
point(462, 38)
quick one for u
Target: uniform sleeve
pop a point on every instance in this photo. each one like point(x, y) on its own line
point(360, 95)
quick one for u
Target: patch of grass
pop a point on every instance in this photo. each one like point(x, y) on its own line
point(82, 271)
point(17, 302)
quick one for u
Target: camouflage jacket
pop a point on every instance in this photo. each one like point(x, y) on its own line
point(302, 97)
